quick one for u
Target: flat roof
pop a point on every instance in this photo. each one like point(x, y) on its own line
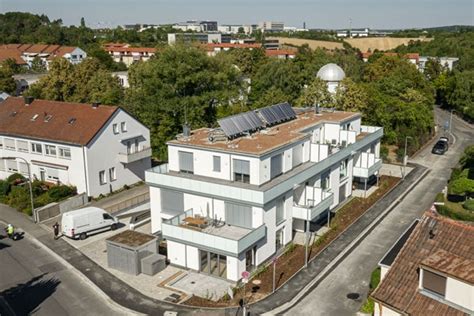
point(390, 256)
point(131, 238)
point(266, 140)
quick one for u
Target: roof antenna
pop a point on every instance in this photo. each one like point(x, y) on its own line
point(186, 128)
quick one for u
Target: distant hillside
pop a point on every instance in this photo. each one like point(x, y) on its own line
point(363, 44)
point(382, 43)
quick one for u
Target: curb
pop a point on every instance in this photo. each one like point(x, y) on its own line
point(79, 275)
point(343, 254)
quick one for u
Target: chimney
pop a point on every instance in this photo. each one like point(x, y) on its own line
point(95, 105)
point(28, 100)
point(186, 130)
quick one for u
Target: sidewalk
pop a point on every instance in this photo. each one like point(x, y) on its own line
point(127, 296)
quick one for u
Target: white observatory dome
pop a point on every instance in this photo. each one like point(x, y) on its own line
point(331, 73)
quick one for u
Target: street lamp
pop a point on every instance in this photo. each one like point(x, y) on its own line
point(29, 182)
point(405, 158)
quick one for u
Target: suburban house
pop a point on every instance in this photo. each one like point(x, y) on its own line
point(414, 58)
point(214, 48)
point(281, 53)
point(432, 272)
point(230, 198)
point(28, 52)
point(419, 61)
point(129, 55)
point(96, 148)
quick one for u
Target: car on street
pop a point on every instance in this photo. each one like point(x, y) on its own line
point(441, 146)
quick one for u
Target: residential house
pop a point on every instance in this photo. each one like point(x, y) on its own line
point(28, 52)
point(230, 198)
point(433, 272)
point(281, 53)
point(447, 62)
point(129, 55)
point(96, 148)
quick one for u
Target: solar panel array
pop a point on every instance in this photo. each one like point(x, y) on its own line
point(241, 123)
point(277, 113)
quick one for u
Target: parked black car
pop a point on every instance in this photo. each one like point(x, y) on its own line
point(441, 146)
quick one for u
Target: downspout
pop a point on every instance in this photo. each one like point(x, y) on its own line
point(85, 170)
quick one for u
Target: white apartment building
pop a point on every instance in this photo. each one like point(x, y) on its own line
point(96, 148)
point(271, 26)
point(230, 198)
point(447, 63)
point(129, 55)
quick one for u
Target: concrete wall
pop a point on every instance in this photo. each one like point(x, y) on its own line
point(108, 144)
point(192, 257)
point(177, 253)
point(155, 207)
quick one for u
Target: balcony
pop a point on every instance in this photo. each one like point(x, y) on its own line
point(206, 233)
point(143, 153)
point(366, 165)
point(311, 202)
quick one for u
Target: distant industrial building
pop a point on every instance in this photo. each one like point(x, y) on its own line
point(271, 26)
point(236, 29)
point(196, 26)
point(203, 38)
point(361, 33)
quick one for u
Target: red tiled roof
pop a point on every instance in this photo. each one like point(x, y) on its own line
point(132, 49)
point(11, 54)
point(409, 55)
point(451, 264)
point(53, 50)
point(108, 45)
point(399, 289)
point(233, 45)
point(279, 52)
point(16, 120)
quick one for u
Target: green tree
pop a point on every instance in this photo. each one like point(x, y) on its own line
point(433, 69)
point(7, 83)
point(86, 82)
point(181, 81)
point(351, 96)
point(315, 94)
point(461, 93)
point(83, 22)
point(37, 65)
point(248, 61)
point(270, 97)
point(10, 66)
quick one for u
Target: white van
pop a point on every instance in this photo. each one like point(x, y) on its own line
point(86, 221)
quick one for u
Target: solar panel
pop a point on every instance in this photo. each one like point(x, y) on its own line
point(241, 123)
point(277, 113)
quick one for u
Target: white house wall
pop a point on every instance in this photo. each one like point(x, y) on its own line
point(460, 293)
point(176, 253)
point(155, 206)
point(103, 153)
point(73, 175)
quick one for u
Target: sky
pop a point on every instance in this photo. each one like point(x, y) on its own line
point(330, 14)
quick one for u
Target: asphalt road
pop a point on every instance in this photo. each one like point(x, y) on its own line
point(34, 282)
point(353, 273)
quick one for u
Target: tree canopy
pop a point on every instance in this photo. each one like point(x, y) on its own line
point(181, 82)
point(86, 82)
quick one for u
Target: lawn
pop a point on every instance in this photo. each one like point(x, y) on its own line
point(368, 306)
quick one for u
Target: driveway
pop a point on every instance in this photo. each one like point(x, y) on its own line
point(352, 275)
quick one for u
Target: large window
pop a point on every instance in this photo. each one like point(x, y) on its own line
point(238, 215)
point(172, 201)
point(186, 162)
point(9, 144)
point(112, 174)
point(216, 163)
point(276, 166)
point(64, 152)
point(50, 150)
point(123, 127)
point(280, 211)
point(297, 155)
point(115, 128)
point(279, 242)
point(241, 170)
point(11, 165)
point(36, 148)
point(434, 282)
point(325, 181)
point(22, 145)
point(102, 179)
point(343, 169)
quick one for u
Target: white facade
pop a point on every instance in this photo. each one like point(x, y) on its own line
point(447, 62)
point(101, 166)
point(254, 217)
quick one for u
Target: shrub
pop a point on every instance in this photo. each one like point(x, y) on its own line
point(461, 186)
point(19, 198)
point(384, 152)
point(469, 205)
point(15, 178)
point(60, 192)
point(4, 189)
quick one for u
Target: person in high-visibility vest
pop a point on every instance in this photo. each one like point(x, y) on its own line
point(10, 230)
